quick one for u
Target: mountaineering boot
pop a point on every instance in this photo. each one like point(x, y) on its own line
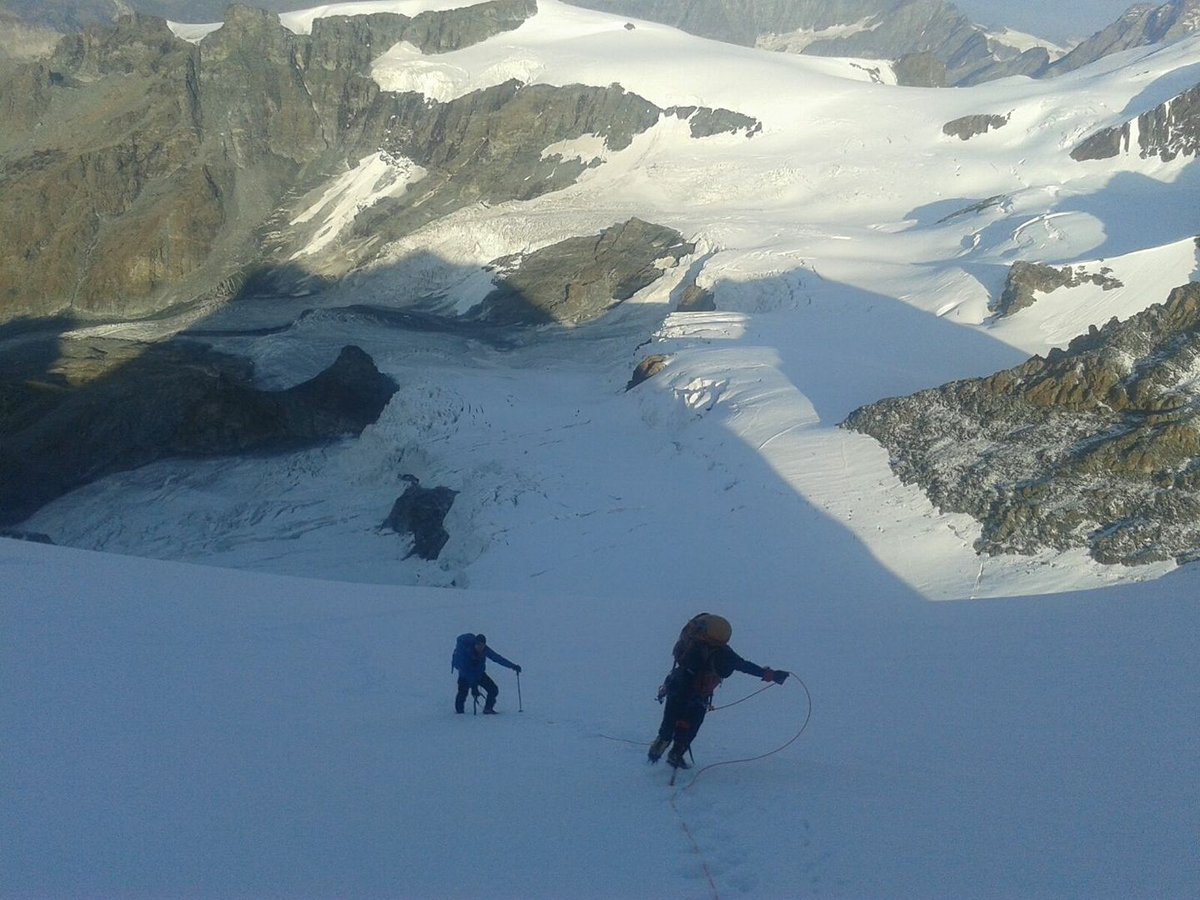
point(656, 749)
point(489, 711)
point(676, 761)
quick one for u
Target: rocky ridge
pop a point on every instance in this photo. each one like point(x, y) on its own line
point(147, 172)
point(967, 127)
point(1141, 25)
point(1095, 446)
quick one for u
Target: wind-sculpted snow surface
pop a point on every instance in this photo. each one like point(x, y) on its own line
point(257, 735)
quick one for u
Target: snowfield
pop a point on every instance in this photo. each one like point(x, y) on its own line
point(175, 731)
point(276, 721)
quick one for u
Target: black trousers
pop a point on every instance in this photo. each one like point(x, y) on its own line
point(489, 688)
point(682, 717)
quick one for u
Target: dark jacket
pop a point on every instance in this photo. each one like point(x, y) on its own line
point(701, 667)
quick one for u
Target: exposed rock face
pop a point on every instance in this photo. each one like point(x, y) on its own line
point(579, 279)
point(1026, 279)
point(421, 512)
point(68, 16)
point(147, 172)
point(1169, 130)
point(488, 146)
point(155, 163)
point(1032, 63)
point(24, 41)
point(116, 406)
point(696, 299)
point(233, 417)
point(921, 69)
point(968, 127)
point(64, 16)
point(1141, 25)
point(646, 369)
point(1095, 446)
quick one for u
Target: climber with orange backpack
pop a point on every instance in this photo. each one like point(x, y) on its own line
point(703, 658)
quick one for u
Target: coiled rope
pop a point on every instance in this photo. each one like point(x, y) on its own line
point(795, 737)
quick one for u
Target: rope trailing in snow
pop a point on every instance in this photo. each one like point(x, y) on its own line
point(675, 794)
point(795, 737)
point(695, 845)
point(640, 743)
point(792, 740)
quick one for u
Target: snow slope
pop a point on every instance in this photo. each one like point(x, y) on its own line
point(180, 731)
point(177, 730)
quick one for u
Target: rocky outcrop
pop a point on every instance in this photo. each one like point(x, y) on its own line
point(112, 406)
point(1169, 130)
point(579, 279)
point(968, 127)
point(696, 299)
point(1026, 280)
point(646, 369)
point(421, 513)
point(706, 122)
point(453, 29)
point(151, 173)
point(1095, 446)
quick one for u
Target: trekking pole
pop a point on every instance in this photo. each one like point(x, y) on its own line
point(520, 705)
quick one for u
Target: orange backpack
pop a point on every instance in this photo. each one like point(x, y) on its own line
point(701, 636)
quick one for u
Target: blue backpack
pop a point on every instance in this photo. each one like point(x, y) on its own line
point(464, 647)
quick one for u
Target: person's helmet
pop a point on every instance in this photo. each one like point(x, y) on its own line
point(480, 639)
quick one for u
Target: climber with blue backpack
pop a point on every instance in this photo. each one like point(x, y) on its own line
point(470, 657)
point(703, 658)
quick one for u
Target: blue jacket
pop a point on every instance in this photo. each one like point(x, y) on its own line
point(471, 664)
